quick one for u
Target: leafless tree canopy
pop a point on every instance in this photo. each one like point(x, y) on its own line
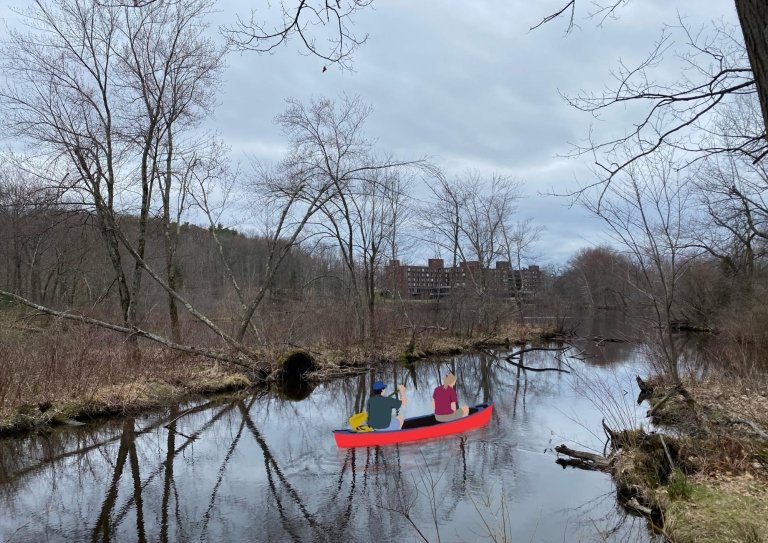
point(722, 67)
point(323, 28)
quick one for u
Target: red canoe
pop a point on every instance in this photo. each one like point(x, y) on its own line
point(416, 428)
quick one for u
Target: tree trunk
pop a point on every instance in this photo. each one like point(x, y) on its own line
point(170, 242)
point(113, 249)
point(753, 17)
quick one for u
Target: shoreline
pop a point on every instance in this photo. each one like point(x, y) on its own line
point(702, 474)
point(210, 378)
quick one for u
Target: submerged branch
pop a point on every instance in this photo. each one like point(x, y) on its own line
point(583, 459)
point(509, 358)
point(530, 349)
point(521, 366)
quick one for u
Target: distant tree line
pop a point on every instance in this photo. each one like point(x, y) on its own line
point(108, 98)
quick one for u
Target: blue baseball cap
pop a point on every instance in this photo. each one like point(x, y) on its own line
point(379, 385)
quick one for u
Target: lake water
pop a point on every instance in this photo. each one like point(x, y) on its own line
point(266, 468)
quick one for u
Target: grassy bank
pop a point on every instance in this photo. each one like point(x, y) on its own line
point(69, 375)
point(704, 475)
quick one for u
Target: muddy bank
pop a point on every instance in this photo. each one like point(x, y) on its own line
point(122, 399)
point(702, 474)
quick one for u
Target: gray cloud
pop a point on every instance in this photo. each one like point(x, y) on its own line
point(467, 84)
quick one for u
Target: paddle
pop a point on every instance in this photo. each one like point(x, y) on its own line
point(396, 395)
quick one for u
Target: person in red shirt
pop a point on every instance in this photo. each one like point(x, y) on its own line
point(445, 402)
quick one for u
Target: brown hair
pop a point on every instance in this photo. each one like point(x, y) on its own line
point(449, 379)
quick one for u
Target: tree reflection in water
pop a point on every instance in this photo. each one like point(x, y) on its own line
point(267, 469)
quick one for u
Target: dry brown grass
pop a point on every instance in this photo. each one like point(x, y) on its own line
point(62, 373)
point(51, 370)
point(720, 493)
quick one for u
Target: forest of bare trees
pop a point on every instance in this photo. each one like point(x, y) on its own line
point(143, 260)
point(119, 212)
point(124, 201)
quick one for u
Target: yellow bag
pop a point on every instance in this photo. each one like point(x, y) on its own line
point(358, 422)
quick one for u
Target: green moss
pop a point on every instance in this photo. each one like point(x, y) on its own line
point(406, 357)
point(69, 410)
point(716, 515)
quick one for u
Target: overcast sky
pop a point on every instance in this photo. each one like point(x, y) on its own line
point(466, 84)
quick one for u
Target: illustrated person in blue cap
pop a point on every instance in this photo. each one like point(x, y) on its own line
point(380, 408)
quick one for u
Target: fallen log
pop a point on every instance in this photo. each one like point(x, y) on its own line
point(590, 460)
point(755, 429)
point(634, 505)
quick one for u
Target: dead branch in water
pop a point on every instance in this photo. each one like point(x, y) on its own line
point(583, 459)
point(509, 358)
point(521, 366)
point(530, 349)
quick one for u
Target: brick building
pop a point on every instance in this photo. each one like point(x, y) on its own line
point(436, 281)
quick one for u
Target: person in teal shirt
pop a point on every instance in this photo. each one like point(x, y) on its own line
point(380, 408)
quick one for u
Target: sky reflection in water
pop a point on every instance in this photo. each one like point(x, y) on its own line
point(267, 469)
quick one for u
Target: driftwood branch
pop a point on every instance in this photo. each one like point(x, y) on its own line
point(133, 331)
point(589, 460)
point(634, 505)
point(521, 366)
point(509, 358)
point(666, 451)
point(751, 425)
point(531, 349)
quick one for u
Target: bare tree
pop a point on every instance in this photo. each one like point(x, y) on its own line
point(290, 196)
point(172, 72)
point(753, 17)
point(29, 219)
point(377, 202)
point(62, 99)
point(99, 91)
point(599, 277)
point(357, 192)
point(732, 193)
point(322, 27)
point(646, 210)
point(719, 77)
point(441, 219)
point(518, 247)
point(472, 220)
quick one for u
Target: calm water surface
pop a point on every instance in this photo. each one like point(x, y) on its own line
point(266, 468)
